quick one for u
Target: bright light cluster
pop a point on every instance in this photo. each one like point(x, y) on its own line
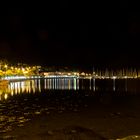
point(17, 70)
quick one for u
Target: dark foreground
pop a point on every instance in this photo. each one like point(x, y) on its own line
point(70, 115)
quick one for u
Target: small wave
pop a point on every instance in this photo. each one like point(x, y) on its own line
point(132, 137)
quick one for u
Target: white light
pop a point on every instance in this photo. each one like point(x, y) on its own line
point(5, 96)
point(114, 77)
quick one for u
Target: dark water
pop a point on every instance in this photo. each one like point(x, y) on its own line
point(20, 101)
point(39, 85)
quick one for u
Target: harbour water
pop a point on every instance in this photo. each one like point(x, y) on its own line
point(42, 85)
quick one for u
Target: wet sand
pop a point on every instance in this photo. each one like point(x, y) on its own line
point(92, 122)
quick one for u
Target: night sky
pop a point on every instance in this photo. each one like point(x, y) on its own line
point(71, 34)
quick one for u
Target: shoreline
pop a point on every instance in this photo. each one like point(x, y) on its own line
point(87, 123)
point(62, 115)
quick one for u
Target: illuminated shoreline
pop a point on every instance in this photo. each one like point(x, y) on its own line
point(17, 78)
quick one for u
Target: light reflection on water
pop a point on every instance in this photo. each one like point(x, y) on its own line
point(37, 85)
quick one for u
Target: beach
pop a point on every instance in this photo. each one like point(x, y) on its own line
point(104, 120)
